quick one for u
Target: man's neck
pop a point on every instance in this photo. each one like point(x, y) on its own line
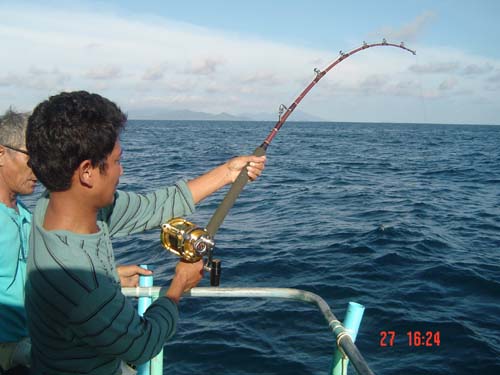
point(68, 211)
point(8, 198)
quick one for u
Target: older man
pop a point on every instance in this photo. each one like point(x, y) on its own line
point(16, 178)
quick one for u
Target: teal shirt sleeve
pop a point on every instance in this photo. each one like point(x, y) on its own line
point(134, 213)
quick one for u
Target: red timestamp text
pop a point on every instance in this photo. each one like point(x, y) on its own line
point(412, 338)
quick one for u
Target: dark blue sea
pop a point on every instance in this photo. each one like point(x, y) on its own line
point(402, 218)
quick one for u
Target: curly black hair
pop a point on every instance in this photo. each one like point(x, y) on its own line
point(67, 129)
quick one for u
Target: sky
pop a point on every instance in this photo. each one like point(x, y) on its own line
point(249, 57)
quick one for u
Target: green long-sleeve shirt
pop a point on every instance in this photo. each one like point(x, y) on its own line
point(78, 319)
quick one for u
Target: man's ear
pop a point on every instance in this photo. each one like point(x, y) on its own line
point(86, 173)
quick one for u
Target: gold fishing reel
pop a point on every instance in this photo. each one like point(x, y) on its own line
point(186, 240)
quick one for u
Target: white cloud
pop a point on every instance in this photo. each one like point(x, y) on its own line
point(155, 73)
point(103, 73)
point(448, 84)
point(435, 67)
point(475, 69)
point(204, 67)
point(374, 81)
point(495, 77)
point(36, 78)
point(266, 78)
point(408, 32)
point(9, 80)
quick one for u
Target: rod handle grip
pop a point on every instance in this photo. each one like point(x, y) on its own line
point(231, 196)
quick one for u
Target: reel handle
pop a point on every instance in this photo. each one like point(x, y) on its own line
point(215, 271)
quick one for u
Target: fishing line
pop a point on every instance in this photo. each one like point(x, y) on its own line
point(191, 242)
point(423, 101)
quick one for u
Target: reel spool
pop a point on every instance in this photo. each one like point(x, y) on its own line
point(186, 240)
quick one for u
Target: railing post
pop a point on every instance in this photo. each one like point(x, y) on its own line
point(142, 305)
point(351, 323)
point(157, 364)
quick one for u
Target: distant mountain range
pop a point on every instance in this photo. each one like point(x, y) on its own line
point(163, 114)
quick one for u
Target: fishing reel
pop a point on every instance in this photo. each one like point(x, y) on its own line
point(191, 243)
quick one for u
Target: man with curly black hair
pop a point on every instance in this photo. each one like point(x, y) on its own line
point(78, 319)
point(17, 179)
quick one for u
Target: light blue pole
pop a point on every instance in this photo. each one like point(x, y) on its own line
point(157, 364)
point(142, 305)
point(351, 323)
point(353, 318)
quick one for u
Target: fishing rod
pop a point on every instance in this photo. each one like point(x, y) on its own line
point(191, 242)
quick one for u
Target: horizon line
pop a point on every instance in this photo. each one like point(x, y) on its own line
point(321, 122)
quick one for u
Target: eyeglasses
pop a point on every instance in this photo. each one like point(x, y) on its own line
point(17, 149)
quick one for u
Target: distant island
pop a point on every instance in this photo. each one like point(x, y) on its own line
point(163, 114)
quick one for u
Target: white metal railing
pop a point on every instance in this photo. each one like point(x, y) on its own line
point(345, 334)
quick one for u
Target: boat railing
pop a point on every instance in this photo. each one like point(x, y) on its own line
point(345, 332)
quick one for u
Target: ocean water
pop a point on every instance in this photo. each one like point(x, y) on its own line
point(402, 218)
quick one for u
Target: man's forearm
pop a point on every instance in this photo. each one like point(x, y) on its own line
point(208, 183)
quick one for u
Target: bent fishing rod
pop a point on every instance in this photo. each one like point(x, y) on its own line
point(191, 242)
